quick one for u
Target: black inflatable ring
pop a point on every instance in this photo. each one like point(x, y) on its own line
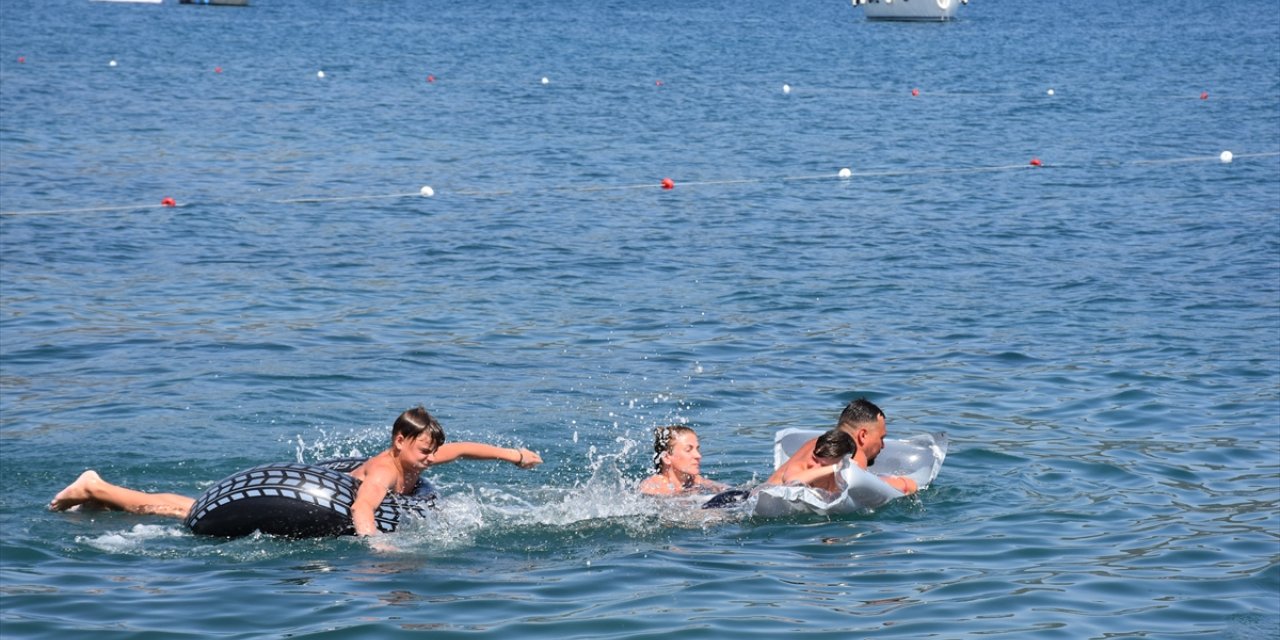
point(297, 501)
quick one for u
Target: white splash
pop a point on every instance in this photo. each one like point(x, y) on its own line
point(133, 540)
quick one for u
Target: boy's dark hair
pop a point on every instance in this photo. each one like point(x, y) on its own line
point(415, 422)
point(834, 444)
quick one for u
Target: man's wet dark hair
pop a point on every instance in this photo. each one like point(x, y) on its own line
point(858, 412)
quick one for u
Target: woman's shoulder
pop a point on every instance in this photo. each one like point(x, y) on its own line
point(660, 485)
point(657, 485)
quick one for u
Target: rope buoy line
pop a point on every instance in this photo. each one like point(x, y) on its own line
point(665, 184)
point(342, 198)
point(1225, 156)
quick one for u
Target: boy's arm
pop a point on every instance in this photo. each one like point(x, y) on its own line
point(370, 494)
point(450, 451)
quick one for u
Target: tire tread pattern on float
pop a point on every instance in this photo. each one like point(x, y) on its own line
point(318, 485)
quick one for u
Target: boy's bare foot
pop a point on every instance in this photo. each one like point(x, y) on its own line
point(76, 493)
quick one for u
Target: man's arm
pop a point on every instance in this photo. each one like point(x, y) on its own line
point(901, 483)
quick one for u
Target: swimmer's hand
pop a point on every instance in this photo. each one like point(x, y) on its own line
point(902, 483)
point(528, 459)
point(380, 544)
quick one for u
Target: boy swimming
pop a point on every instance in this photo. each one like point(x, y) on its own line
point(417, 442)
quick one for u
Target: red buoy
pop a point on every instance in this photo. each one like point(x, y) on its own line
point(915, 92)
point(1204, 95)
point(1035, 162)
point(668, 183)
point(431, 78)
point(22, 59)
point(217, 69)
point(168, 202)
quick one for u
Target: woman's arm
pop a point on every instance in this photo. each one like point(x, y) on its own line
point(712, 485)
point(450, 451)
point(659, 485)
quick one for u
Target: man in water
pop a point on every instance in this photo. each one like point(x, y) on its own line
point(865, 425)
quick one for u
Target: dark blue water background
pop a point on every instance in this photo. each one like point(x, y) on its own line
point(1099, 336)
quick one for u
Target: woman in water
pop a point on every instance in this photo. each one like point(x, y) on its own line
point(677, 458)
point(417, 442)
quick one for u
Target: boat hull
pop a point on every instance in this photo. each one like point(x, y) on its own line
point(910, 10)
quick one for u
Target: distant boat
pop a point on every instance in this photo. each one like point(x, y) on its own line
point(221, 3)
point(923, 10)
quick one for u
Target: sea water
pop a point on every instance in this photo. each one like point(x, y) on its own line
point(1098, 335)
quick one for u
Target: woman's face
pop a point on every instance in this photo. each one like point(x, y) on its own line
point(685, 457)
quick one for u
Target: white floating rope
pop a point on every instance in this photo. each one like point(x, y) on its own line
point(1224, 157)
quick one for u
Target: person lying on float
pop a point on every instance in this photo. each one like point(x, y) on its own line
point(417, 442)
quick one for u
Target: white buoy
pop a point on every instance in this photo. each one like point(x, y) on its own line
point(1050, 92)
point(845, 173)
point(1226, 156)
point(320, 74)
point(427, 192)
point(786, 89)
point(111, 64)
point(545, 80)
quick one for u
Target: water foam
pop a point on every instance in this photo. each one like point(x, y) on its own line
point(607, 501)
point(133, 540)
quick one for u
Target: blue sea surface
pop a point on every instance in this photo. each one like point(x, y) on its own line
point(1099, 336)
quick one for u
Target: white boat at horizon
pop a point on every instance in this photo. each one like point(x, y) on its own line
point(918, 10)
